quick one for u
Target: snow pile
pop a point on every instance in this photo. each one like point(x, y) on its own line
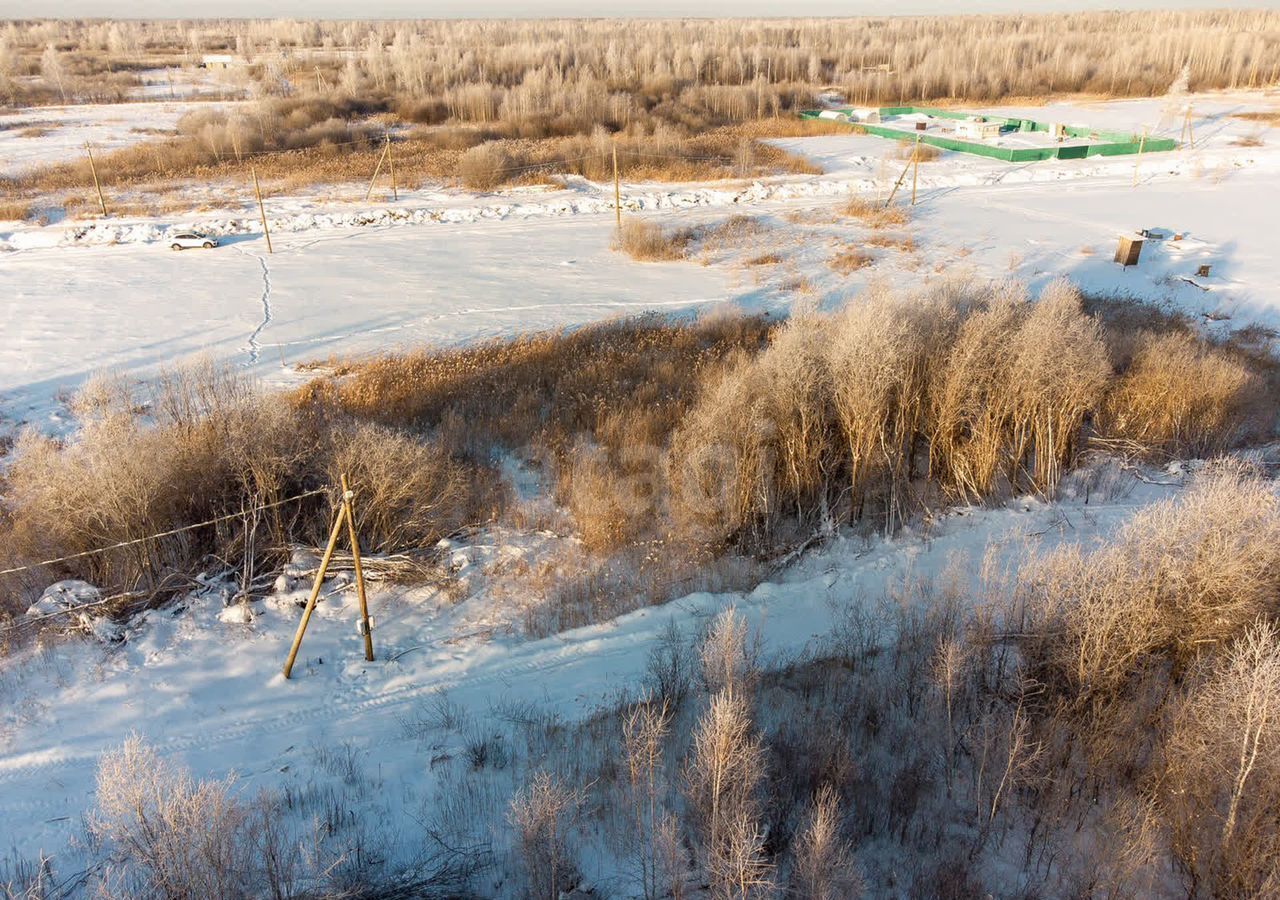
point(98, 233)
point(532, 206)
point(74, 604)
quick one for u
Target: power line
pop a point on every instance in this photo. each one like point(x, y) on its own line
point(160, 534)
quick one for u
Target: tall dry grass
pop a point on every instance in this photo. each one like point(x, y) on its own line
point(711, 88)
point(1180, 395)
point(876, 215)
point(650, 242)
point(667, 442)
point(204, 445)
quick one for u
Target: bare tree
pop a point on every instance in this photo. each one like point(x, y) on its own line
point(1223, 771)
point(729, 655)
point(740, 871)
point(823, 867)
point(52, 69)
point(644, 730)
point(542, 814)
point(724, 771)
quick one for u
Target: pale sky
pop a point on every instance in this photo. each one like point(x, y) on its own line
point(417, 9)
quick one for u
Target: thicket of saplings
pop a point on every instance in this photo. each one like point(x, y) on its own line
point(676, 447)
point(508, 101)
point(1100, 721)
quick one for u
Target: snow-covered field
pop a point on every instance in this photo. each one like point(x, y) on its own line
point(447, 266)
point(203, 685)
point(64, 130)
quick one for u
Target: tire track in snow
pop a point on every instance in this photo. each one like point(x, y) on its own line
point(506, 672)
point(566, 669)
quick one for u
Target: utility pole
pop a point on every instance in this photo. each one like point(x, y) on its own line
point(345, 515)
point(391, 167)
point(1141, 146)
point(617, 189)
point(262, 210)
point(915, 172)
point(102, 204)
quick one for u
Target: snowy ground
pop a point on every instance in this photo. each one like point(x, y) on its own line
point(205, 687)
point(445, 266)
point(187, 84)
point(65, 129)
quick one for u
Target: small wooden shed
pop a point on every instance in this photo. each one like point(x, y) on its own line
point(1129, 250)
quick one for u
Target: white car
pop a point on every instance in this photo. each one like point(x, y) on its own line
point(189, 240)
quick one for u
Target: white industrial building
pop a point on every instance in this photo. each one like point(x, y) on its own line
point(978, 128)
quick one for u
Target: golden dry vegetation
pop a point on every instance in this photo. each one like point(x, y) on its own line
point(686, 100)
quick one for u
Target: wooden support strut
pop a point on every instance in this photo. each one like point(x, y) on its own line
point(915, 172)
point(365, 630)
point(386, 148)
point(901, 178)
point(262, 210)
point(1137, 162)
point(315, 588)
point(97, 186)
point(391, 168)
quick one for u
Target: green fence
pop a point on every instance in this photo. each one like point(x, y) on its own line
point(1104, 143)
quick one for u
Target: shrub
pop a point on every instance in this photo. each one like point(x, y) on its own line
point(411, 494)
point(841, 408)
point(971, 410)
point(851, 260)
point(1183, 577)
point(215, 446)
point(876, 215)
point(542, 814)
point(15, 211)
point(1061, 369)
point(484, 167)
point(1180, 395)
point(188, 839)
point(650, 242)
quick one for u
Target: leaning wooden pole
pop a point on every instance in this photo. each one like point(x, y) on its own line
point(1137, 162)
point(897, 184)
point(97, 186)
point(262, 210)
point(315, 588)
point(365, 629)
point(386, 148)
point(915, 171)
